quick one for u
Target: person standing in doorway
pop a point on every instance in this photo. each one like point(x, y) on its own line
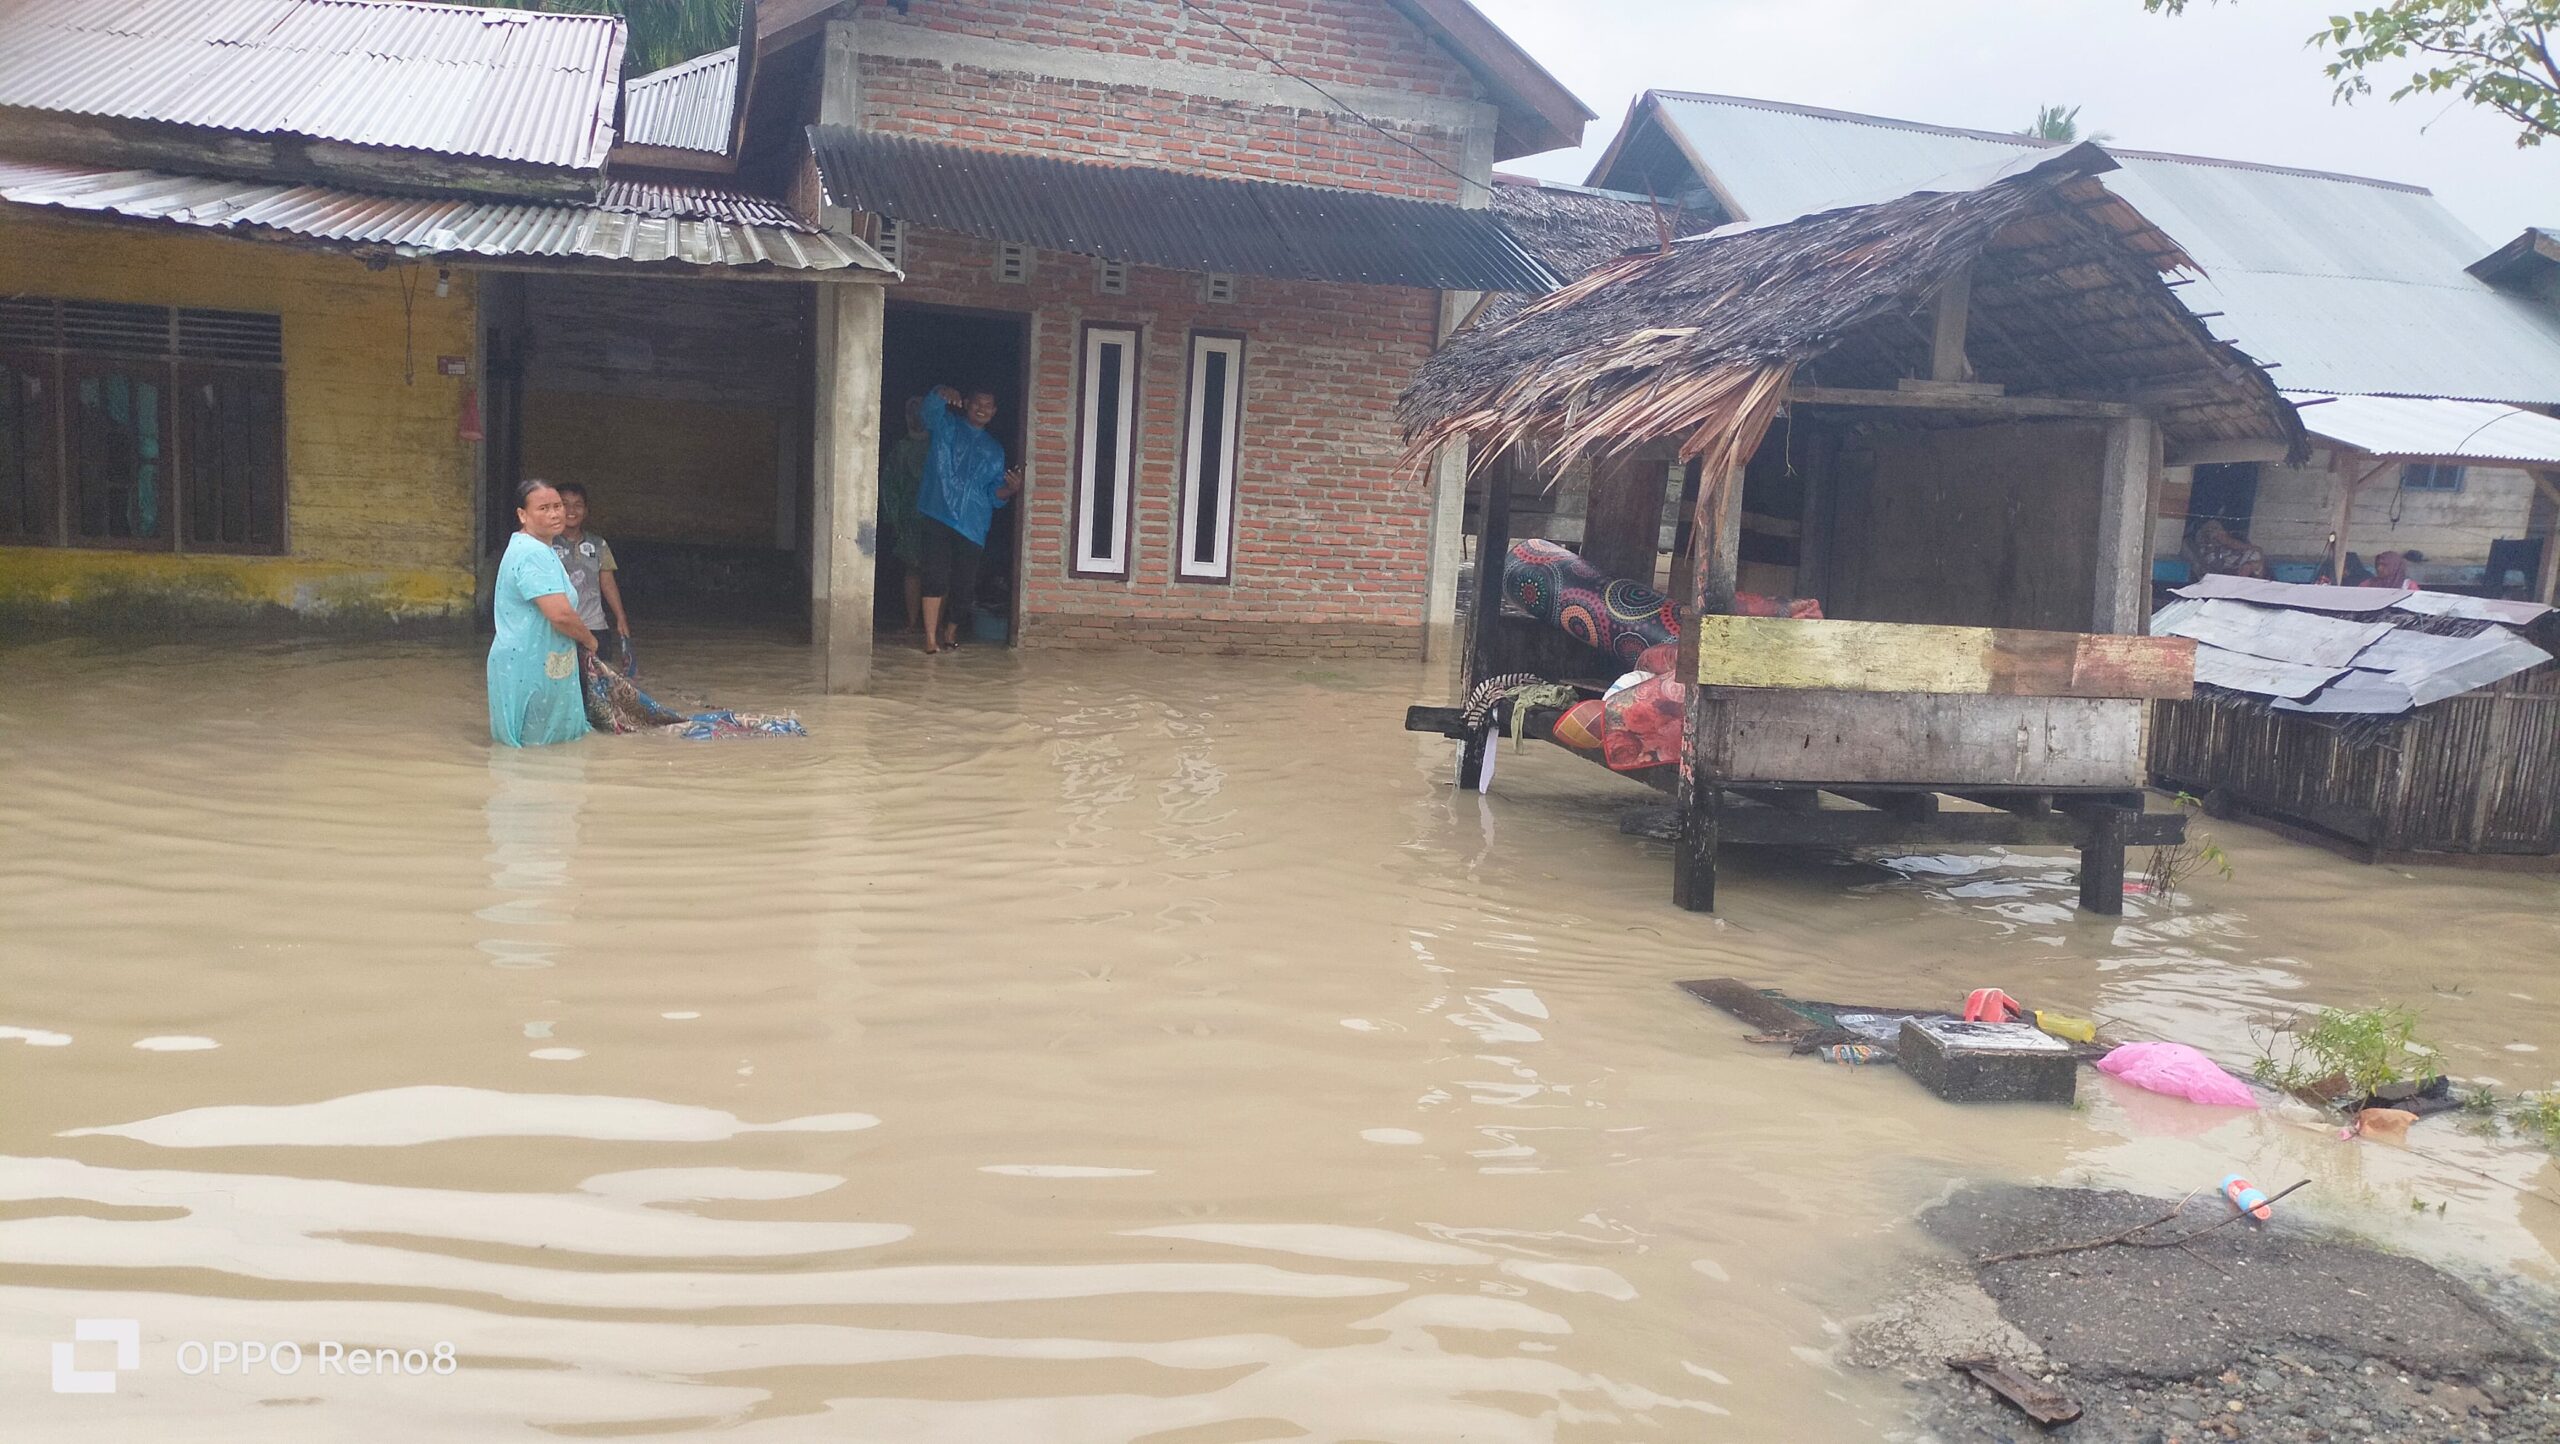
point(2391, 569)
point(965, 480)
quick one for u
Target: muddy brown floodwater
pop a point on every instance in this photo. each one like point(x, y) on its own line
point(1052, 1048)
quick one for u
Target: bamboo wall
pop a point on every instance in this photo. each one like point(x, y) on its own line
point(2474, 774)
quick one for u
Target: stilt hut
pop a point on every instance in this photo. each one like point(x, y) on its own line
point(1938, 421)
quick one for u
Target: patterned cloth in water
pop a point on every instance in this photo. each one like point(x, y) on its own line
point(1618, 616)
point(616, 704)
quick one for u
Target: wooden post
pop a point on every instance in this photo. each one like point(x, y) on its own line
point(1946, 339)
point(2126, 480)
point(2348, 486)
point(1684, 528)
point(2547, 588)
point(1693, 856)
point(1493, 548)
point(2102, 862)
point(1715, 537)
point(844, 536)
point(1622, 517)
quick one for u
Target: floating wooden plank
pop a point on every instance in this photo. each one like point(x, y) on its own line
point(1751, 1005)
point(1829, 739)
point(2032, 1397)
point(1837, 656)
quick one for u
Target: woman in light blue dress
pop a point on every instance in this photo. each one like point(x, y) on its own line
point(534, 694)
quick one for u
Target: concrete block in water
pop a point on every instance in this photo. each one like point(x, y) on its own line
point(1989, 1062)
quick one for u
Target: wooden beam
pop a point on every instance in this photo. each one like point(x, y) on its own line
point(1842, 827)
point(2346, 505)
point(1839, 656)
point(1493, 549)
point(1960, 404)
point(2223, 451)
point(1833, 740)
point(1948, 314)
point(2127, 480)
point(2547, 589)
point(1908, 805)
point(2108, 831)
point(126, 144)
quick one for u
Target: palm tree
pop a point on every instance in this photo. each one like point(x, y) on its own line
point(2054, 122)
point(663, 32)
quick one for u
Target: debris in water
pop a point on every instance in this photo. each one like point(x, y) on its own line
point(1989, 1062)
point(2032, 1397)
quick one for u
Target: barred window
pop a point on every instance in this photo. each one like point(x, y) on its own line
point(147, 427)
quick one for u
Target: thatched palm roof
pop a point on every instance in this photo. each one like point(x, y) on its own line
point(1573, 229)
point(1699, 344)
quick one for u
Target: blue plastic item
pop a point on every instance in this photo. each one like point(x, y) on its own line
point(2171, 571)
point(988, 627)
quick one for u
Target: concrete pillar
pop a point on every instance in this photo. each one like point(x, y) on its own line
point(2127, 482)
point(1448, 512)
point(844, 539)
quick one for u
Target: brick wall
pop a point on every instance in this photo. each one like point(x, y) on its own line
point(1332, 542)
point(1360, 44)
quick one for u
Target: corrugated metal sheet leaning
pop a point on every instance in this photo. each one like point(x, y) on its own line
point(1150, 216)
point(409, 226)
point(2348, 652)
point(684, 107)
point(509, 85)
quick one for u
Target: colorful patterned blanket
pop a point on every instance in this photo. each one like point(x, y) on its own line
point(616, 704)
point(1618, 616)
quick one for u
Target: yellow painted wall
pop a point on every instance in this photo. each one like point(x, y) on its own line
point(659, 469)
point(378, 483)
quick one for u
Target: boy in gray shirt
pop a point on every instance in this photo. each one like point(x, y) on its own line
point(589, 560)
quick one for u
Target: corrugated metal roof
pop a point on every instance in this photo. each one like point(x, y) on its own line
point(2480, 432)
point(2351, 286)
point(662, 198)
point(2362, 601)
point(510, 85)
point(683, 107)
point(1175, 219)
point(411, 226)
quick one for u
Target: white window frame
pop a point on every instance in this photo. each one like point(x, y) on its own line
point(1188, 566)
point(1091, 406)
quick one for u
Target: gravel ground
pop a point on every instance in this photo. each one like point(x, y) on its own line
point(2266, 1332)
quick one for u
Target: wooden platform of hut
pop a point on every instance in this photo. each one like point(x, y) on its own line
point(1953, 408)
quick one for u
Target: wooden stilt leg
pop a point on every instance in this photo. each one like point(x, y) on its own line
point(1471, 760)
point(1693, 857)
point(2102, 863)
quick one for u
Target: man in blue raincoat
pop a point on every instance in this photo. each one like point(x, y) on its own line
point(965, 480)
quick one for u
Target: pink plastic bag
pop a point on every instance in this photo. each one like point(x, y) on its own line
point(2180, 1072)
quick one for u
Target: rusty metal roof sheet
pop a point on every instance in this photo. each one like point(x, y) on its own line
point(410, 226)
point(684, 107)
point(508, 85)
point(1179, 220)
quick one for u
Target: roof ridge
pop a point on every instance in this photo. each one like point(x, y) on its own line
point(503, 12)
point(2032, 142)
point(727, 54)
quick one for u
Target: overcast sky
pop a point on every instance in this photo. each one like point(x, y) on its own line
point(2230, 80)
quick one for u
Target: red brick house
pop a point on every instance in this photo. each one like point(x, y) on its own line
point(1199, 247)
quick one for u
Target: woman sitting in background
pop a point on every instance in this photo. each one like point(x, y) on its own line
point(2214, 551)
point(534, 694)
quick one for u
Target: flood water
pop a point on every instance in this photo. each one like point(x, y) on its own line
point(1051, 1048)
